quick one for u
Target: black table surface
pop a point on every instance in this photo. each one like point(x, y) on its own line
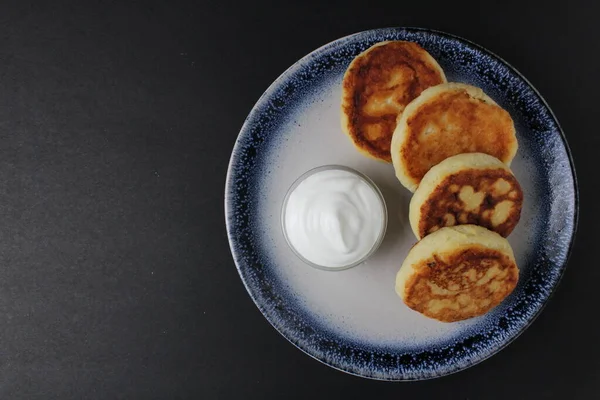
point(117, 120)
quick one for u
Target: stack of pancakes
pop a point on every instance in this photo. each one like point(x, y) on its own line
point(451, 145)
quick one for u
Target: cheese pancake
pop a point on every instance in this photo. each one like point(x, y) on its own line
point(471, 188)
point(377, 86)
point(457, 273)
point(446, 120)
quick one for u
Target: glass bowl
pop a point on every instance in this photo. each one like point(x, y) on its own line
point(363, 178)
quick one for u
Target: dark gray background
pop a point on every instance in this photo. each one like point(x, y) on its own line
point(117, 120)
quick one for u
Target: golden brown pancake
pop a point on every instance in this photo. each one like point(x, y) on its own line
point(446, 120)
point(471, 188)
point(457, 273)
point(377, 86)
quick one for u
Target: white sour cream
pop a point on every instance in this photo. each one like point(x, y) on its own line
point(334, 218)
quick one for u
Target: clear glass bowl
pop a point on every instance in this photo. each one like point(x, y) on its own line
point(365, 179)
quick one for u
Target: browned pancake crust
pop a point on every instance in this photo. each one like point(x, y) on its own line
point(444, 206)
point(400, 70)
point(461, 125)
point(461, 285)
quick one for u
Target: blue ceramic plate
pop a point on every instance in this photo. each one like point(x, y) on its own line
point(352, 320)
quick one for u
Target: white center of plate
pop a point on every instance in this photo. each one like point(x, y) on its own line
point(359, 303)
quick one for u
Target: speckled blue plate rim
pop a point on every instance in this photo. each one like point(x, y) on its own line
point(280, 327)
